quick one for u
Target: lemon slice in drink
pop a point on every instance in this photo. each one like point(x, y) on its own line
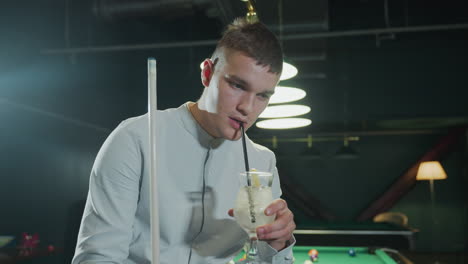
point(255, 179)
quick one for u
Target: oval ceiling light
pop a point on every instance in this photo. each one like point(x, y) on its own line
point(284, 111)
point(289, 71)
point(284, 123)
point(285, 94)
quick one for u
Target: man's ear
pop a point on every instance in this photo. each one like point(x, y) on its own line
point(207, 72)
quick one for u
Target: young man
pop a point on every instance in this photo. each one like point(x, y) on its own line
point(199, 161)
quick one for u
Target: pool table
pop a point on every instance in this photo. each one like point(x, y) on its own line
point(339, 255)
point(357, 234)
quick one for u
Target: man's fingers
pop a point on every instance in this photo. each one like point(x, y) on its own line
point(281, 222)
point(276, 206)
point(283, 234)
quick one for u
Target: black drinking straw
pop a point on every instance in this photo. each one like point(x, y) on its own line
point(246, 159)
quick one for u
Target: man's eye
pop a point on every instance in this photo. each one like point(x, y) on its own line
point(264, 96)
point(236, 85)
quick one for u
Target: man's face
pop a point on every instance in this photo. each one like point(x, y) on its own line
point(243, 91)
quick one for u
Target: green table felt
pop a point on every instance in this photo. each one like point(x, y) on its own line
point(339, 255)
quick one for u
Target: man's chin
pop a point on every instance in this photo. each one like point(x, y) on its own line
point(234, 136)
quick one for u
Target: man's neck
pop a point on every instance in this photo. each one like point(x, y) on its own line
point(198, 116)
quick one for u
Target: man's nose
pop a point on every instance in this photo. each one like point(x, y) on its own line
point(246, 104)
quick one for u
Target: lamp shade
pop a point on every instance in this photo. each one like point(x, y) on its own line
point(284, 123)
point(431, 170)
point(284, 111)
point(289, 71)
point(311, 153)
point(284, 94)
point(346, 153)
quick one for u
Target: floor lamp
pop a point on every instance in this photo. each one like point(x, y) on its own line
point(430, 171)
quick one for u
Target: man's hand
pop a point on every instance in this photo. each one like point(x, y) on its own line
point(280, 231)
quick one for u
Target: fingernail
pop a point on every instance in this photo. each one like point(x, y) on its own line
point(261, 231)
point(268, 212)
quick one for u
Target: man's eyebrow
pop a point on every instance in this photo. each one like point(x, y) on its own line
point(268, 92)
point(236, 79)
point(246, 84)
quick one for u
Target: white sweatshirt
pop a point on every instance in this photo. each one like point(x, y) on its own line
point(115, 227)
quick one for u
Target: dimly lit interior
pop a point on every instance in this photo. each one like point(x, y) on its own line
point(386, 83)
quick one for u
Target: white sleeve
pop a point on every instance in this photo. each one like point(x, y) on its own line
point(106, 227)
point(271, 255)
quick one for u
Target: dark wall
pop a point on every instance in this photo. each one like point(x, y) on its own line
point(345, 187)
point(57, 110)
point(443, 227)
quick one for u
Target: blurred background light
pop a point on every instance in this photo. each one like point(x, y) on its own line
point(284, 123)
point(289, 71)
point(284, 111)
point(284, 94)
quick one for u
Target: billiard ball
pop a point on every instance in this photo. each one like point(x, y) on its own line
point(313, 252)
point(308, 262)
point(352, 252)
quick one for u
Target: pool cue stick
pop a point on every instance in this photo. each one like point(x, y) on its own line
point(154, 203)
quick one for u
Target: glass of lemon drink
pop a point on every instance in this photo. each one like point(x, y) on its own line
point(252, 199)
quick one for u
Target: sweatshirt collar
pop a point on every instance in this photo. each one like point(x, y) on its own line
point(194, 128)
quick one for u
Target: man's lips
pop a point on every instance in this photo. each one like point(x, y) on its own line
point(235, 123)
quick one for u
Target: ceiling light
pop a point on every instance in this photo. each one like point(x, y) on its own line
point(284, 123)
point(289, 71)
point(284, 111)
point(285, 94)
point(311, 153)
point(346, 152)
